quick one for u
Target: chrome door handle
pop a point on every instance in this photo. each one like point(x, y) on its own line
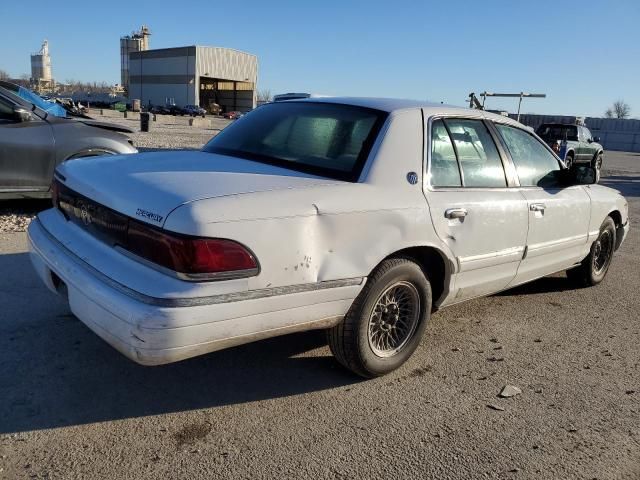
point(537, 207)
point(455, 213)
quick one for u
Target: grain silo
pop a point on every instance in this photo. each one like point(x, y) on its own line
point(136, 42)
point(41, 65)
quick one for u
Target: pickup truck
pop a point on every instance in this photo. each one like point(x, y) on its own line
point(581, 147)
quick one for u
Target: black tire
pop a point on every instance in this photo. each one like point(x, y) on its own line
point(568, 160)
point(595, 266)
point(351, 341)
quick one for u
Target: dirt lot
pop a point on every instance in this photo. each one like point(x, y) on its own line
point(72, 407)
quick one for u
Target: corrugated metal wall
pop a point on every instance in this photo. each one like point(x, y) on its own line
point(614, 133)
point(228, 64)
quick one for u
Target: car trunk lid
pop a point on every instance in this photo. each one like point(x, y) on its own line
point(150, 185)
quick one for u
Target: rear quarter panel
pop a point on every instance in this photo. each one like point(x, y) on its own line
point(327, 232)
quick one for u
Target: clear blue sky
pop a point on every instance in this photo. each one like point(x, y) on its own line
point(582, 54)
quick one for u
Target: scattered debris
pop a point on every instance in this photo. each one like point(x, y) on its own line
point(493, 340)
point(630, 392)
point(493, 406)
point(537, 340)
point(538, 390)
point(572, 429)
point(455, 349)
point(509, 391)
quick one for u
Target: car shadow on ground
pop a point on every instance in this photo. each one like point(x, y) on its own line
point(557, 283)
point(628, 185)
point(55, 372)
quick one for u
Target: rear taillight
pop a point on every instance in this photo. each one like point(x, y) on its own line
point(191, 258)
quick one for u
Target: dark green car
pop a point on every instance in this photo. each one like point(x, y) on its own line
point(582, 147)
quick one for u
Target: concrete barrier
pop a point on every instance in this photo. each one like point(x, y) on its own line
point(199, 122)
point(132, 115)
point(111, 113)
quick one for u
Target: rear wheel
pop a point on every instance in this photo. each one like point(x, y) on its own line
point(385, 323)
point(595, 266)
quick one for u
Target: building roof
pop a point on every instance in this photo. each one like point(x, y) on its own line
point(184, 50)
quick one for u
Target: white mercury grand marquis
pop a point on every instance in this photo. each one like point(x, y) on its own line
point(359, 216)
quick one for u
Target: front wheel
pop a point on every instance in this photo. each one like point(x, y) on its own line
point(386, 321)
point(593, 269)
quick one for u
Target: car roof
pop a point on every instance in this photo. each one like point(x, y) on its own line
point(391, 105)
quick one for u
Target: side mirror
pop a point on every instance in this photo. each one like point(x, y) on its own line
point(596, 139)
point(582, 174)
point(21, 114)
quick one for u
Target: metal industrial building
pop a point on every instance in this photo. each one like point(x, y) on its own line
point(194, 75)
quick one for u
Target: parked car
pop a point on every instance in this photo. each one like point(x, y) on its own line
point(214, 108)
point(34, 141)
point(232, 115)
point(46, 105)
point(194, 110)
point(581, 146)
point(160, 110)
point(359, 216)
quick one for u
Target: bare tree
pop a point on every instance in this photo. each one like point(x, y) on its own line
point(619, 109)
point(3, 75)
point(264, 95)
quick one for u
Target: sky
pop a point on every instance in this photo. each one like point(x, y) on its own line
point(583, 54)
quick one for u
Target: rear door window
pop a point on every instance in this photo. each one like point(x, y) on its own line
point(463, 154)
point(444, 164)
point(477, 154)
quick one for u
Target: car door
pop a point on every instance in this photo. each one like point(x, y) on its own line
point(585, 146)
point(474, 212)
point(590, 147)
point(558, 214)
point(26, 151)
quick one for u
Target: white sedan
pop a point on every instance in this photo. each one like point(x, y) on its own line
point(359, 216)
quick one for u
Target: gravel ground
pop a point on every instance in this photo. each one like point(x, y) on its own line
point(169, 132)
point(72, 407)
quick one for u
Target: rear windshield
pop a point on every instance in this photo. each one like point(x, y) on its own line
point(550, 133)
point(325, 139)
